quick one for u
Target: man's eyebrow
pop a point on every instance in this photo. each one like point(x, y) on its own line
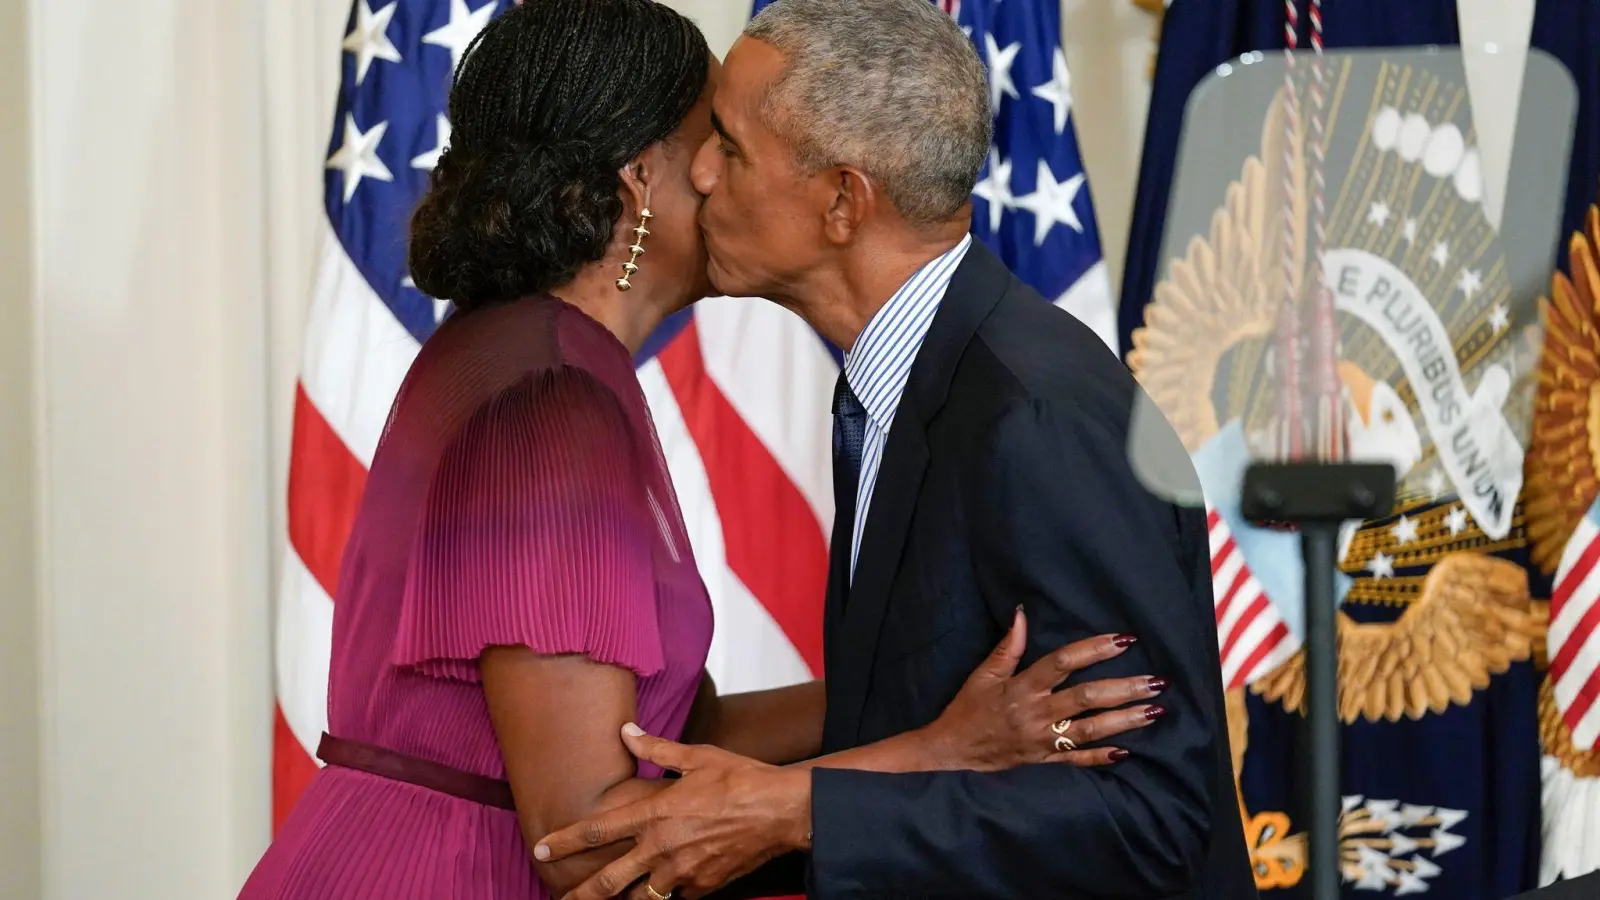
point(716, 125)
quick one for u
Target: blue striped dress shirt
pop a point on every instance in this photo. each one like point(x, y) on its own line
point(879, 365)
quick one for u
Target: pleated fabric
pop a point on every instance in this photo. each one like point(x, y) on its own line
point(518, 497)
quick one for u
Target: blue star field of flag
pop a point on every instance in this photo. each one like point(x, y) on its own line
point(1032, 205)
point(389, 129)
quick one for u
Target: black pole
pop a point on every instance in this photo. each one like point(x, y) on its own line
point(1317, 497)
point(1319, 543)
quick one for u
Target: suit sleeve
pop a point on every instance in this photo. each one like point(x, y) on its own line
point(1060, 524)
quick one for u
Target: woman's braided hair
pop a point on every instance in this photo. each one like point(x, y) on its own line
point(552, 99)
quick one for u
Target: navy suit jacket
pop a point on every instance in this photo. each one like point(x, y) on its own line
point(1006, 480)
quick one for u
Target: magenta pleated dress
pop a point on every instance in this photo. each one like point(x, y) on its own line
point(518, 497)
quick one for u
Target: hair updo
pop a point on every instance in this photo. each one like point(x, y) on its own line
point(553, 98)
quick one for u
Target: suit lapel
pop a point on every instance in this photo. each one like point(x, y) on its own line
point(975, 288)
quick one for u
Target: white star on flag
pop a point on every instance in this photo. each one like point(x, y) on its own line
point(358, 158)
point(1051, 202)
point(996, 189)
point(1436, 485)
point(1499, 318)
point(1469, 282)
point(1378, 213)
point(1000, 71)
point(369, 39)
point(1404, 531)
point(1382, 566)
point(1456, 519)
point(464, 25)
point(431, 159)
point(1058, 90)
point(1409, 231)
point(1441, 253)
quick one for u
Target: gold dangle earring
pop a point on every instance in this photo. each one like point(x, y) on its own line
point(637, 247)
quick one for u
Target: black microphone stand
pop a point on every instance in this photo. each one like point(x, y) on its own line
point(1317, 497)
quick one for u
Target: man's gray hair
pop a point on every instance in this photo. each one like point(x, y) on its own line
point(891, 87)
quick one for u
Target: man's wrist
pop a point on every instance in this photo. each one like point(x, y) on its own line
point(797, 809)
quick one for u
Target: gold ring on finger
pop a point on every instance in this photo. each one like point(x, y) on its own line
point(1061, 726)
point(657, 895)
point(1064, 743)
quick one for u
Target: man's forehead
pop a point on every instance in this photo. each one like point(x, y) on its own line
point(747, 72)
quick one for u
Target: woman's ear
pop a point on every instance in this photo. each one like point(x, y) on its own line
point(636, 183)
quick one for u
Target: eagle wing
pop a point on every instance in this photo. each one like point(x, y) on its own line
point(1473, 619)
point(1564, 451)
point(1226, 288)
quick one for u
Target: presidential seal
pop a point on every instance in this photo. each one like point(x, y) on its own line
point(1435, 375)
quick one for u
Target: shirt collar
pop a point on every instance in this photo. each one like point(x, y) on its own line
point(879, 364)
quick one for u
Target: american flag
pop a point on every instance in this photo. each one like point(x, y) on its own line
point(739, 389)
point(1574, 637)
point(1032, 201)
point(1251, 635)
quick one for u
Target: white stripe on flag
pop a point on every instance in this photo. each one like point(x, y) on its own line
point(357, 353)
point(1249, 629)
point(1091, 301)
point(749, 651)
point(304, 647)
point(1577, 591)
point(775, 372)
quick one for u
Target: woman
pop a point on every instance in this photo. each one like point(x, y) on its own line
point(518, 585)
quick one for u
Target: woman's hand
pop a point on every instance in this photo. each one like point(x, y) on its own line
point(1003, 718)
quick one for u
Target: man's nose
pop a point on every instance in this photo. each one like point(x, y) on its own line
point(705, 169)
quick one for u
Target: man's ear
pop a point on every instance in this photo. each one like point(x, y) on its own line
point(855, 199)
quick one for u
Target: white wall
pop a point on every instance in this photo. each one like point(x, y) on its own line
point(151, 369)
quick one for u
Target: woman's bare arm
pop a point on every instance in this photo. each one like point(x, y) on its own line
point(778, 726)
point(556, 720)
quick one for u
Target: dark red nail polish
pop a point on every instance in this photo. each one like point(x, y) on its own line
point(1155, 712)
point(1156, 685)
point(1118, 755)
point(1123, 640)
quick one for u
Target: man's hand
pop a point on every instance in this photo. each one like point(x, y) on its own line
point(725, 817)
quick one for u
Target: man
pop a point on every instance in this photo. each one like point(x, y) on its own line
point(980, 460)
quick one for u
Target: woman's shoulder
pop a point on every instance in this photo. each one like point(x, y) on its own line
point(509, 362)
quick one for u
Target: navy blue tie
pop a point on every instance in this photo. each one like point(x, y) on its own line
point(849, 433)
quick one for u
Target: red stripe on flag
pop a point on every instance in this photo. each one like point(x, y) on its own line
point(325, 485)
point(1263, 647)
point(1221, 556)
point(1575, 576)
point(1256, 608)
point(1225, 602)
point(771, 537)
point(1574, 642)
point(1564, 589)
point(292, 769)
point(1582, 700)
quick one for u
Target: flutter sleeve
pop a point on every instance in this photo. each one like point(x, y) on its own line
point(534, 534)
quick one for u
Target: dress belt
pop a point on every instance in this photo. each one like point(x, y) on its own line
point(411, 770)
